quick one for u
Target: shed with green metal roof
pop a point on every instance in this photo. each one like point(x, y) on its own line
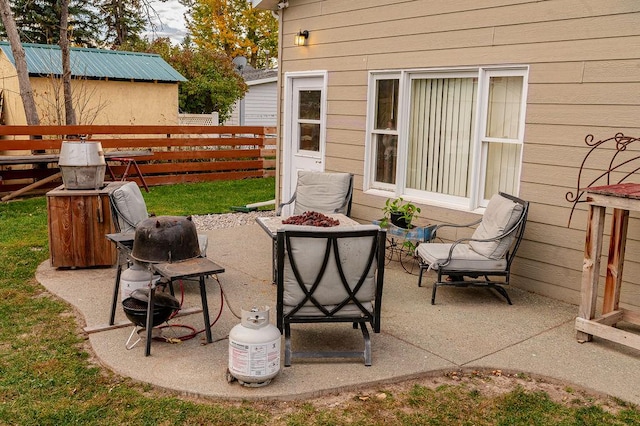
point(110, 87)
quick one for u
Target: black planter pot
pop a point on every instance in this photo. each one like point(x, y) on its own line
point(398, 220)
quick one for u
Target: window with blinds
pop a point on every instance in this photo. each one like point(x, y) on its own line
point(456, 135)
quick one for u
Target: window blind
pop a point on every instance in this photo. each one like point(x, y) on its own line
point(441, 124)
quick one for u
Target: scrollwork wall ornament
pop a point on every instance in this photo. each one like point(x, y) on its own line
point(620, 157)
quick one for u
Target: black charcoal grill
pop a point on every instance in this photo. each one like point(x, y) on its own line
point(160, 239)
point(135, 307)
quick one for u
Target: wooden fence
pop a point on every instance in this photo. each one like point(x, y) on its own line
point(176, 154)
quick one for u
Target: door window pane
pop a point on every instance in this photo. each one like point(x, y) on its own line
point(309, 137)
point(309, 105)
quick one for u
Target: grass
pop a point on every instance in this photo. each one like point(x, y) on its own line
point(47, 376)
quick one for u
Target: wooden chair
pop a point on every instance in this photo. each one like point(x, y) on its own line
point(330, 275)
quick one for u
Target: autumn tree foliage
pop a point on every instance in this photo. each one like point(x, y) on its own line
point(213, 84)
point(234, 28)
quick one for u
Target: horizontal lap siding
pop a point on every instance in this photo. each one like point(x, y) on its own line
point(584, 58)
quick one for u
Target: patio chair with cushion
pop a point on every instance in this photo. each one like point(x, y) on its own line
point(330, 275)
point(488, 253)
point(321, 192)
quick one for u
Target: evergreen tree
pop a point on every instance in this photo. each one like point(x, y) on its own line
point(39, 22)
point(124, 21)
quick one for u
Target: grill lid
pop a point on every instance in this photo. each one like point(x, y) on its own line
point(165, 239)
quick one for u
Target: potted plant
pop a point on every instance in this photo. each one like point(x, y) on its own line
point(399, 212)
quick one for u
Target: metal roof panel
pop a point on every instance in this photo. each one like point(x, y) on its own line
point(45, 59)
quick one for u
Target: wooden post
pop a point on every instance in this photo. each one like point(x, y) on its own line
point(591, 267)
point(619, 225)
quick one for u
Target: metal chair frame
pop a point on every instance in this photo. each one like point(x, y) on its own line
point(456, 276)
point(363, 316)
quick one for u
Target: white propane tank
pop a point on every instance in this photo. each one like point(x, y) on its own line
point(134, 277)
point(254, 349)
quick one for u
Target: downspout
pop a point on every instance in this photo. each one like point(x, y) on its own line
point(279, 15)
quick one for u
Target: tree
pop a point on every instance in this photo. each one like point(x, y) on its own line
point(124, 21)
point(39, 21)
point(235, 28)
point(213, 84)
point(26, 92)
point(69, 113)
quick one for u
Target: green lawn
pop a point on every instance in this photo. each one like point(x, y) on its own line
point(48, 378)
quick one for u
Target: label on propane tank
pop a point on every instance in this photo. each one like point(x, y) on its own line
point(251, 360)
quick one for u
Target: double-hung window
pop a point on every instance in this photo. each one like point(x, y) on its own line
point(457, 134)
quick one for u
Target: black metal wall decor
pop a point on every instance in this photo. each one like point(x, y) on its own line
point(624, 162)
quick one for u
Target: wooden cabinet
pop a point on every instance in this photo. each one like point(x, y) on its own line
point(79, 219)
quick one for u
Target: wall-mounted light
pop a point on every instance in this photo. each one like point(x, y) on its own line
point(301, 38)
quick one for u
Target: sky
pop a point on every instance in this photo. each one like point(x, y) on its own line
point(171, 22)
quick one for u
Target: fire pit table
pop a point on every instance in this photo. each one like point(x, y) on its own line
point(271, 225)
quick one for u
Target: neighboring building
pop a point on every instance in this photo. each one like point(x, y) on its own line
point(109, 87)
point(446, 103)
point(260, 103)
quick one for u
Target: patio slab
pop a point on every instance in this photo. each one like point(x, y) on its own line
point(466, 329)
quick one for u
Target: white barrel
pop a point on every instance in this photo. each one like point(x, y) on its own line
point(254, 349)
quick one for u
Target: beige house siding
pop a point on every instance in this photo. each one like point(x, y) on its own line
point(95, 101)
point(584, 77)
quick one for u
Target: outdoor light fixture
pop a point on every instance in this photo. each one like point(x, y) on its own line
point(301, 38)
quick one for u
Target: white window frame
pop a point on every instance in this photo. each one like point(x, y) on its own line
point(370, 140)
point(476, 200)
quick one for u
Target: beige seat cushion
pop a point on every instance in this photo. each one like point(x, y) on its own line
point(321, 192)
point(308, 255)
point(463, 258)
point(500, 215)
point(130, 206)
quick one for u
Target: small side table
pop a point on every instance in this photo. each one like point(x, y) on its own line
point(396, 238)
point(198, 267)
point(622, 198)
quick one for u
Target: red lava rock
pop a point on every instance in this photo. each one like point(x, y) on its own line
point(312, 219)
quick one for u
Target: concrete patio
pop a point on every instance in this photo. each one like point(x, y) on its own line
point(467, 329)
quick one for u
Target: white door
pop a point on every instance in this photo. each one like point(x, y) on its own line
point(305, 134)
